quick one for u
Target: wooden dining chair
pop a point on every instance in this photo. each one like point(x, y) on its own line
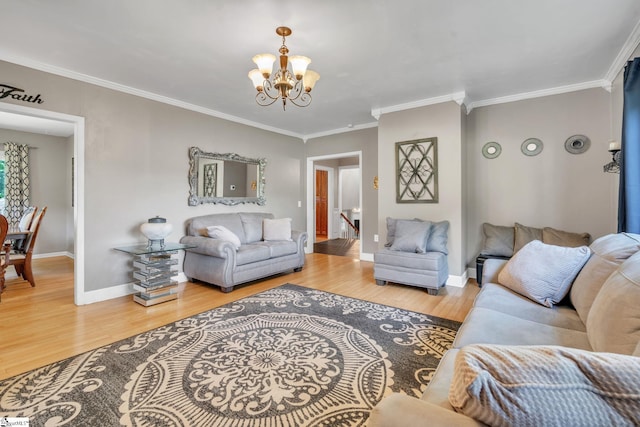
point(26, 224)
point(4, 228)
point(22, 261)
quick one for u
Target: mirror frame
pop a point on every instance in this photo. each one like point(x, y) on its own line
point(196, 153)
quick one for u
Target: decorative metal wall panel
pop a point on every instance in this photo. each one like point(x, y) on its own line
point(417, 171)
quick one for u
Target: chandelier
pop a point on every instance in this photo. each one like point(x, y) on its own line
point(283, 84)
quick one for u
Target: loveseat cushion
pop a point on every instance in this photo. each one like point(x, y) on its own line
point(198, 225)
point(431, 261)
point(543, 272)
point(524, 234)
point(248, 254)
point(539, 386)
point(223, 233)
point(279, 248)
point(252, 225)
point(551, 236)
point(504, 300)
point(608, 252)
point(613, 324)
point(498, 240)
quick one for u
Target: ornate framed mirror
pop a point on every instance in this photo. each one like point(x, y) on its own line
point(228, 179)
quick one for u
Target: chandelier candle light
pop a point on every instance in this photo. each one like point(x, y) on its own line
point(295, 87)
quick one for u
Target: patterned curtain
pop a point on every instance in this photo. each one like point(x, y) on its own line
point(16, 181)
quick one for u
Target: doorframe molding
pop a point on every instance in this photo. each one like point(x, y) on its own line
point(79, 294)
point(311, 192)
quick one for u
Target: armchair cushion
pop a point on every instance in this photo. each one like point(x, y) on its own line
point(438, 237)
point(411, 236)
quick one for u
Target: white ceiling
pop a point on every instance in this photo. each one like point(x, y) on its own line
point(372, 55)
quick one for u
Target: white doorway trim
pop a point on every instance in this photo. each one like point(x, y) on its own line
point(78, 187)
point(311, 225)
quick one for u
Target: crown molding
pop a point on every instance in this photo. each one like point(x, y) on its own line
point(457, 97)
point(540, 93)
point(625, 53)
point(63, 72)
point(307, 137)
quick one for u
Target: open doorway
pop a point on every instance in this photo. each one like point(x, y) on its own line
point(31, 116)
point(342, 208)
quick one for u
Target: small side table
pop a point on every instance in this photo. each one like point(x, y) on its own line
point(153, 272)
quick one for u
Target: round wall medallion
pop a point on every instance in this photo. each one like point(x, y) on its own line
point(577, 144)
point(491, 150)
point(531, 147)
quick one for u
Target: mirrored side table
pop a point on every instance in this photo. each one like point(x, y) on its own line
point(154, 271)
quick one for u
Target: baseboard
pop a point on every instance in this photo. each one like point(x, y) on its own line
point(116, 291)
point(53, 254)
point(458, 281)
point(366, 257)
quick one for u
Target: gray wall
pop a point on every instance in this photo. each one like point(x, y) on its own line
point(50, 165)
point(443, 121)
point(361, 140)
point(136, 164)
point(555, 188)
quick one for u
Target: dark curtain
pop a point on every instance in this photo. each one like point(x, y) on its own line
point(629, 194)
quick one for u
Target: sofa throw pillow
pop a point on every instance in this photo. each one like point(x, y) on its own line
point(524, 235)
point(498, 240)
point(223, 233)
point(276, 229)
point(543, 273)
point(545, 385)
point(551, 236)
point(411, 236)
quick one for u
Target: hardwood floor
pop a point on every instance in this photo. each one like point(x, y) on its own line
point(42, 325)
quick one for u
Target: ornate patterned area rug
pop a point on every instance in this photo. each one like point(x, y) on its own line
point(290, 356)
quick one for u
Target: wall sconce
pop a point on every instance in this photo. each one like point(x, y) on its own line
point(614, 165)
point(375, 182)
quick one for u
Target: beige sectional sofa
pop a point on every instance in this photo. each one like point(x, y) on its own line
point(598, 320)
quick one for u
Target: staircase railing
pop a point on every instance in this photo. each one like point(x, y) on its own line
point(350, 231)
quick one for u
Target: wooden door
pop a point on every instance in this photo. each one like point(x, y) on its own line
point(322, 214)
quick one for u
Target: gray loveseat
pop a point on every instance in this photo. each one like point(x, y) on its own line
point(251, 253)
point(598, 321)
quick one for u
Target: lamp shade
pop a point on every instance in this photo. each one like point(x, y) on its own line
point(257, 78)
point(309, 80)
point(265, 61)
point(299, 65)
